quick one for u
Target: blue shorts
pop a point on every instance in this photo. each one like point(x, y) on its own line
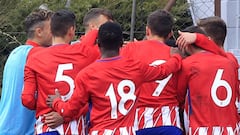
point(161, 130)
point(50, 133)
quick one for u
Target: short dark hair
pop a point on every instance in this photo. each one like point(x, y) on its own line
point(61, 21)
point(95, 13)
point(36, 19)
point(194, 29)
point(110, 36)
point(215, 28)
point(160, 23)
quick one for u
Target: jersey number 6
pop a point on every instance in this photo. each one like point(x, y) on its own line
point(218, 82)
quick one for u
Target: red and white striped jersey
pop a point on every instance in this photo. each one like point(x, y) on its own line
point(74, 127)
point(157, 104)
point(54, 68)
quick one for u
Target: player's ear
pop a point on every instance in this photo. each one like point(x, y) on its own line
point(71, 31)
point(38, 32)
point(92, 26)
point(170, 34)
point(148, 31)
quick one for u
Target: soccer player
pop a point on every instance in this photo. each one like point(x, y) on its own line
point(209, 80)
point(93, 19)
point(216, 29)
point(55, 68)
point(15, 118)
point(157, 104)
point(112, 85)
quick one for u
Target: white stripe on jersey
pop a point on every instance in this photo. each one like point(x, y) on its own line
point(72, 126)
point(120, 131)
point(166, 115)
point(216, 130)
point(135, 125)
point(148, 117)
point(177, 118)
point(39, 125)
point(152, 117)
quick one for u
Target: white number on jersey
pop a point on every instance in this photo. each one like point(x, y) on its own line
point(218, 82)
point(61, 77)
point(161, 83)
point(130, 95)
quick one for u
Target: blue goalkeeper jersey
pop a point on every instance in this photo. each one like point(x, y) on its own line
point(15, 119)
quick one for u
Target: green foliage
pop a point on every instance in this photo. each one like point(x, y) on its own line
point(182, 15)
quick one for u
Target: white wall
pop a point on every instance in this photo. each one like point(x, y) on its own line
point(230, 13)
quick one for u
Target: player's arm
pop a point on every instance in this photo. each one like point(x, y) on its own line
point(29, 91)
point(200, 40)
point(209, 45)
point(182, 85)
point(71, 108)
point(159, 72)
point(89, 39)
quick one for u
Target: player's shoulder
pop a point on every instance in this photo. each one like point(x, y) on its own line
point(90, 69)
point(21, 49)
point(36, 51)
point(232, 57)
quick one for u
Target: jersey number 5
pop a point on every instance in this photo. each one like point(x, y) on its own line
point(61, 77)
point(130, 95)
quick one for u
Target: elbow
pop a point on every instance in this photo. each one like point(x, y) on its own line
point(28, 101)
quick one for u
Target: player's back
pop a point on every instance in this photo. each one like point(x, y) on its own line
point(211, 94)
point(56, 68)
point(160, 95)
point(112, 85)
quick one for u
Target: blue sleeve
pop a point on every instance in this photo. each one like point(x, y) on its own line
point(15, 118)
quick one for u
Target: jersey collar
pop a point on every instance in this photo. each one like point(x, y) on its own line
point(32, 43)
point(109, 59)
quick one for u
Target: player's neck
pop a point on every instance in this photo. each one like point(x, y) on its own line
point(109, 53)
point(60, 40)
point(197, 50)
point(154, 37)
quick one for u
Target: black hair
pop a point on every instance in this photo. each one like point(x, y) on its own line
point(61, 21)
point(110, 36)
point(160, 22)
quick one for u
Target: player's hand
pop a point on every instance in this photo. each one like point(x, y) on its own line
point(51, 98)
point(185, 39)
point(53, 119)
